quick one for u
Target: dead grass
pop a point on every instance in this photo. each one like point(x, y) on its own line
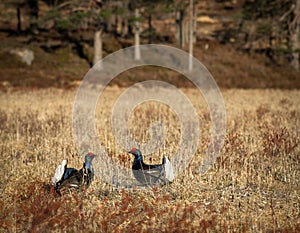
point(252, 187)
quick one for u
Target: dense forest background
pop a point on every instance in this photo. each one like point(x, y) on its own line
point(244, 43)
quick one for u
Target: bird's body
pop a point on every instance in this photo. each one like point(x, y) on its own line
point(69, 171)
point(73, 178)
point(80, 179)
point(158, 174)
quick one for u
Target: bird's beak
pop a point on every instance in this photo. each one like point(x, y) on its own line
point(130, 152)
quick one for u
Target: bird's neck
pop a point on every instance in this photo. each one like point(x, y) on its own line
point(138, 160)
point(88, 165)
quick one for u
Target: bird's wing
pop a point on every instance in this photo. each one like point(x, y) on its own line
point(148, 176)
point(168, 169)
point(159, 174)
point(69, 172)
point(59, 172)
point(78, 179)
point(73, 181)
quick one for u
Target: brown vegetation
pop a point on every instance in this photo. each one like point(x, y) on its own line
point(252, 187)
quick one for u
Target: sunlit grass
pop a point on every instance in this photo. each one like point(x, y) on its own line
point(253, 186)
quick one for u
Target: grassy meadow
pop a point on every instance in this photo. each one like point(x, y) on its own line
point(252, 187)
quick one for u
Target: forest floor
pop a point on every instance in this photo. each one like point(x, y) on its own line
point(62, 67)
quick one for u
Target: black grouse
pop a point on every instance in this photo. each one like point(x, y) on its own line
point(72, 178)
point(159, 174)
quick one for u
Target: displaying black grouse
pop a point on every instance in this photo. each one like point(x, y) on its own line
point(159, 174)
point(72, 178)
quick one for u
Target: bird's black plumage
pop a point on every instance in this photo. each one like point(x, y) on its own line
point(148, 174)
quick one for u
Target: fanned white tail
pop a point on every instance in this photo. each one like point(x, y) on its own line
point(59, 172)
point(169, 170)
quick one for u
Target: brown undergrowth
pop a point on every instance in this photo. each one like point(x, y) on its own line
point(253, 186)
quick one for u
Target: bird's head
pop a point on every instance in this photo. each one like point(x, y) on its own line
point(89, 158)
point(136, 152)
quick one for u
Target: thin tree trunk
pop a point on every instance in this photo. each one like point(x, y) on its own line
point(186, 32)
point(137, 52)
point(19, 27)
point(124, 32)
point(34, 15)
point(97, 47)
point(191, 36)
point(195, 15)
point(180, 25)
point(119, 25)
point(125, 25)
point(295, 37)
point(150, 28)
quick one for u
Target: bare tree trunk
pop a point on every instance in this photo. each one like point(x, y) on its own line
point(137, 52)
point(97, 47)
point(191, 36)
point(179, 20)
point(185, 38)
point(195, 15)
point(150, 28)
point(125, 25)
point(119, 25)
point(295, 36)
point(19, 27)
point(34, 15)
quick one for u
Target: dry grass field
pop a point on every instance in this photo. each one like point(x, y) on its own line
point(253, 186)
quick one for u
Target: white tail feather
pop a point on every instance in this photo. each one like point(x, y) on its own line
point(169, 170)
point(59, 172)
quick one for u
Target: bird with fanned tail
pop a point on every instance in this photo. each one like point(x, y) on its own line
point(72, 178)
point(146, 174)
